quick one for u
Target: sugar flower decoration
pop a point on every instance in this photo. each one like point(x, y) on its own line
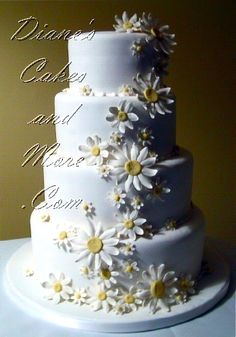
point(126, 24)
point(148, 231)
point(130, 299)
point(138, 47)
point(117, 138)
point(119, 309)
point(159, 189)
point(64, 237)
point(95, 151)
point(130, 268)
point(137, 202)
point(107, 275)
point(170, 225)
point(96, 245)
point(158, 288)
point(29, 272)
point(79, 296)
point(126, 90)
point(85, 90)
point(130, 224)
point(145, 136)
point(104, 171)
point(103, 298)
point(88, 208)
point(117, 197)
point(122, 116)
point(186, 285)
point(45, 217)
point(134, 166)
point(163, 41)
point(128, 249)
point(154, 96)
point(59, 289)
point(87, 272)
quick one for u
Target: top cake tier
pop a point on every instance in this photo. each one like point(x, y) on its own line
point(110, 59)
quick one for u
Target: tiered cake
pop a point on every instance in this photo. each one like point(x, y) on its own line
point(117, 230)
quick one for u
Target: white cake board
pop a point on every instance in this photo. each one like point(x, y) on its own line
point(27, 292)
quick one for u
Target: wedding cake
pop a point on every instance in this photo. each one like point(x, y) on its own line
point(117, 231)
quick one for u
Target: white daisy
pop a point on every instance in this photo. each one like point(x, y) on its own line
point(130, 268)
point(130, 299)
point(126, 90)
point(137, 202)
point(170, 225)
point(104, 171)
point(122, 116)
point(117, 138)
point(59, 289)
point(119, 309)
point(79, 296)
point(88, 208)
point(186, 284)
point(107, 275)
point(181, 298)
point(85, 90)
point(128, 249)
point(117, 196)
point(135, 166)
point(129, 224)
point(138, 47)
point(162, 40)
point(45, 217)
point(153, 94)
point(158, 190)
point(96, 245)
point(86, 272)
point(64, 237)
point(158, 287)
point(126, 24)
point(103, 298)
point(145, 136)
point(95, 151)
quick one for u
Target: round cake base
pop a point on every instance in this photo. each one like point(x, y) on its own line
point(27, 292)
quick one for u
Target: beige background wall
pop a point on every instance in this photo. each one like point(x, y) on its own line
point(201, 75)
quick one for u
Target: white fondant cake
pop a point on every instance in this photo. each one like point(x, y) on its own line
point(117, 230)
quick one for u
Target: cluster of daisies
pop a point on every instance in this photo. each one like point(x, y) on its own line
point(156, 35)
point(157, 289)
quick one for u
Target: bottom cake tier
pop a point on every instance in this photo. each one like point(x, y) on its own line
point(100, 269)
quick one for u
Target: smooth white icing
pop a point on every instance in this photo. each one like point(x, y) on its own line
point(107, 59)
point(90, 119)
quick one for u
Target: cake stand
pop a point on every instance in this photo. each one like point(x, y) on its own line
point(28, 293)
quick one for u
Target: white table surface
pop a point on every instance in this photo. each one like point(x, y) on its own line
point(15, 322)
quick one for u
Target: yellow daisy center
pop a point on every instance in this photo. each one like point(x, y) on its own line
point(94, 245)
point(77, 295)
point(129, 268)
point(117, 139)
point(129, 299)
point(157, 190)
point(129, 248)
point(95, 150)
point(157, 289)
point(133, 167)
point(184, 284)
point(122, 116)
point(151, 95)
point(127, 25)
point(129, 224)
point(57, 287)
point(145, 135)
point(138, 48)
point(116, 197)
point(102, 296)
point(105, 274)
point(85, 207)
point(63, 235)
